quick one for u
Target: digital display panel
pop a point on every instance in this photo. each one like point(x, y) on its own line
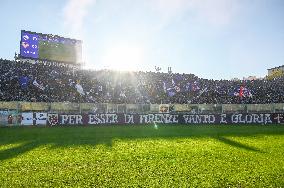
point(50, 47)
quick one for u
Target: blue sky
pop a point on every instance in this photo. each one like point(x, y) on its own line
point(218, 39)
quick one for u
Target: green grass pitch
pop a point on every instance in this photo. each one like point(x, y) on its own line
point(143, 156)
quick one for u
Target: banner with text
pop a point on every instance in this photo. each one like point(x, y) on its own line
point(101, 119)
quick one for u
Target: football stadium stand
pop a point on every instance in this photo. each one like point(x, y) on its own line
point(55, 82)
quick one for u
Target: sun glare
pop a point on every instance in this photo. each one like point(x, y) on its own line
point(124, 58)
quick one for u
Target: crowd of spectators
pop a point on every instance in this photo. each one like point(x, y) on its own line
point(55, 82)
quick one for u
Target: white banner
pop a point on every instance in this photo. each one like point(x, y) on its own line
point(27, 118)
point(41, 118)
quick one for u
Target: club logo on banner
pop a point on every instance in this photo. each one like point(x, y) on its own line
point(164, 108)
point(52, 119)
point(40, 118)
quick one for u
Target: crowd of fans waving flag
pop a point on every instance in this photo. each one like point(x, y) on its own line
point(56, 82)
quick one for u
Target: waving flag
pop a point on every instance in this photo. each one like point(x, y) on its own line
point(173, 82)
point(188, 86)
point(177, 88)
point(195, 86)
point(171, 91)
point(202, 91)
point(24, 82)
point(241, 92)
point(192, 86)
point(247, 92)
point(80, 89)
point(165, 86)
point(176, 83)
point(40, 86)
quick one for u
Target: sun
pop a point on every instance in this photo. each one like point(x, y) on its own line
point(124, 58)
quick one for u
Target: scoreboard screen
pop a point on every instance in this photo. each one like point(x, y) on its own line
point(50, 47)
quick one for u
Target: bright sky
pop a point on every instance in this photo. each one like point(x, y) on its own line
point(219, 39)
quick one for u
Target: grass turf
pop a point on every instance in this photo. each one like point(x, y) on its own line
point(144, 156)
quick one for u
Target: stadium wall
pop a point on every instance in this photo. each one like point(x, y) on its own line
point(54, 119)
point(33, 113)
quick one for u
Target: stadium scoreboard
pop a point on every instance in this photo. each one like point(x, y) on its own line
point(50, 47)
